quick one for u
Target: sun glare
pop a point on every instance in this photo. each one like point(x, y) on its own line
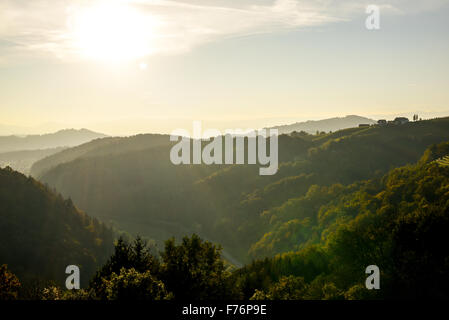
point(111, 32)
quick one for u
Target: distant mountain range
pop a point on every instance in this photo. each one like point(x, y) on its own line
point(326, 125)
point(62, 138)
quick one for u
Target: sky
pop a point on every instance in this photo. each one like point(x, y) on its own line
point(153, 66)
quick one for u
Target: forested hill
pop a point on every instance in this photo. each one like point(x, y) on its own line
point(105, 146)
point(324, 240)
point(41, 233)
point(141, 191)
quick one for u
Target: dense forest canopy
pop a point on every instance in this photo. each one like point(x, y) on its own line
point(131, 182)
point(341, 202)
point(42, 233)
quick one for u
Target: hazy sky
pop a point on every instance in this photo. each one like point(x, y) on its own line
point(124, 67)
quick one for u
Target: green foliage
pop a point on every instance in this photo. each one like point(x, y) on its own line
point(438, 152)
point(54, 293)
point(336, 206)
point(295, 288)
point(80, 294)
point(191, 270)
point(9, 284)
point(131, 182)
point(443, 161)
point(136, 256)
point(308, 264)
point(194, 270)
point(41, 233)
point(397, 222)
point(359, 292)
point(51, 293)
point(130, 284)
point(288, 288)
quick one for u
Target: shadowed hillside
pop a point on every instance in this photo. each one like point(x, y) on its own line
point(23, 160)
point(41, 233)
point(141, 191)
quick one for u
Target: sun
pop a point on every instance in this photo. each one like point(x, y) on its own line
point(111, 32)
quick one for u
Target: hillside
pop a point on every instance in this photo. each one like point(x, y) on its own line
point(323, 241)
point(99, 147)
point(23, 160)
point(343, 157)
point(142, 192)
point(320, 245)
point(41, 233)
point(63, 138)
point(326, 125)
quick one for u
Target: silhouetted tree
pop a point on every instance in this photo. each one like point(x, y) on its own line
point(9, 284)
point(136, 256)
point(194, 270)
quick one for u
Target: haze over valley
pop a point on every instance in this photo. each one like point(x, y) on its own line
point(216, 151)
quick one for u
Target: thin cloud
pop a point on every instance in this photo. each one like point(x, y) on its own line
point(42, 27)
